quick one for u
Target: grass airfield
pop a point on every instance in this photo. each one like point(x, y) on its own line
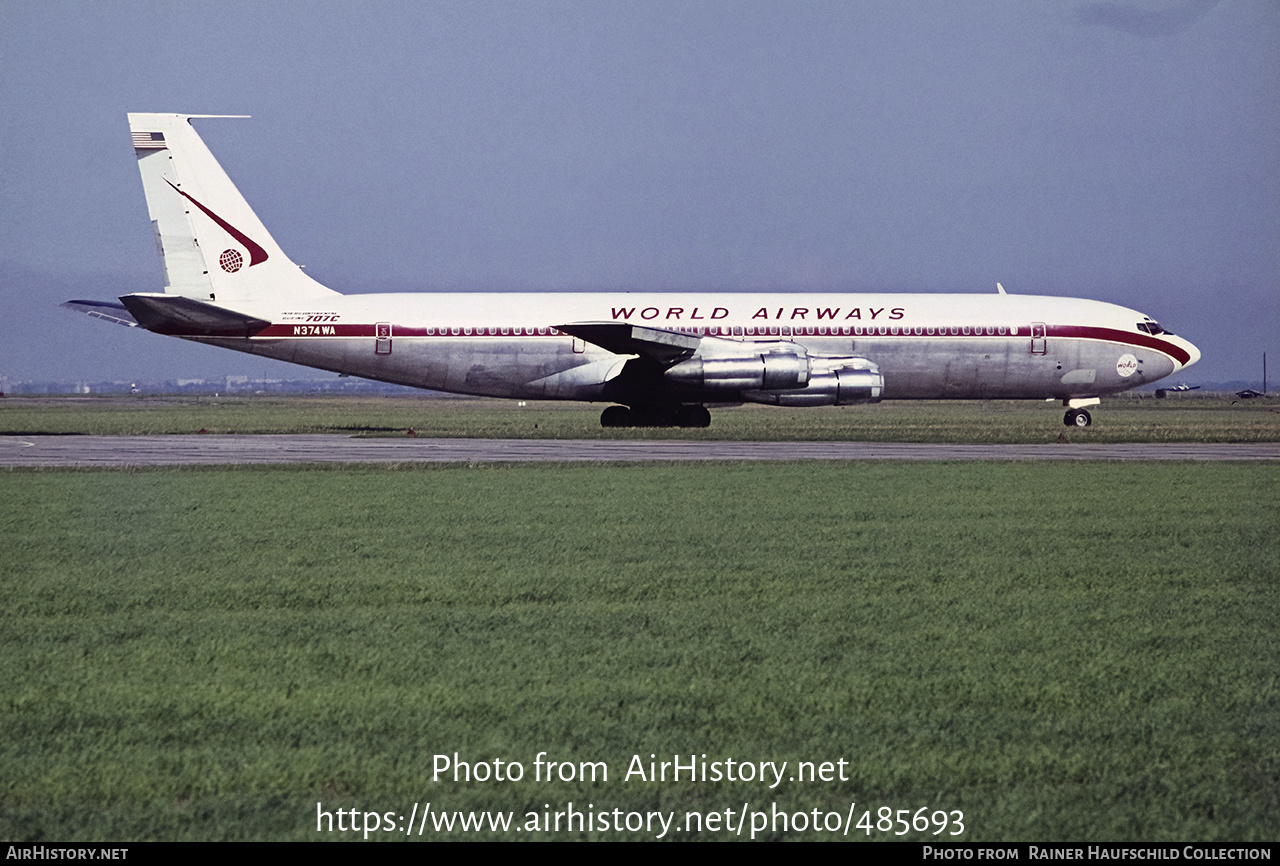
point(1180, 418)
point(1083, 652)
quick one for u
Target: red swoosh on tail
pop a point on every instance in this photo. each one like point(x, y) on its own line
point(256, 253)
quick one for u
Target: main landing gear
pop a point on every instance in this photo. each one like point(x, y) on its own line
point(656, 416)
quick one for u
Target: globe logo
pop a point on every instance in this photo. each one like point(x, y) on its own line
point(231, 261)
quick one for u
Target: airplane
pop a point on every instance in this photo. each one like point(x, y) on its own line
point(659, 358)
point(1179, 388)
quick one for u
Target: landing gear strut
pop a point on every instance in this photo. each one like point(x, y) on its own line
point(1077, 418)
point(656, 416)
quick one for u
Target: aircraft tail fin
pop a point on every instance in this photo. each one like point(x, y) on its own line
point(212, 245)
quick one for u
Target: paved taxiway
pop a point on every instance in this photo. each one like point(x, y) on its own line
point(195, 450)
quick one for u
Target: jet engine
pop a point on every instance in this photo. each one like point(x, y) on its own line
point(839, 382)
point(760, 371)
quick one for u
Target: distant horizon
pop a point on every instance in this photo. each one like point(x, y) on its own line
point(1124, 151)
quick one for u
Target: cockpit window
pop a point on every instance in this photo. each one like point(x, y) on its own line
point(1153, 328)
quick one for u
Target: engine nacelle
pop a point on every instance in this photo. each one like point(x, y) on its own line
point(764, 371)
point(840, 386)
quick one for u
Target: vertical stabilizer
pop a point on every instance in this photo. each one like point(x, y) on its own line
point(211, 243)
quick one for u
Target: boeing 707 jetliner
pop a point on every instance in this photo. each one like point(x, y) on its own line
point(659, 357)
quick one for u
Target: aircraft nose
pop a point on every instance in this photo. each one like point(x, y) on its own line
point(1191, 350)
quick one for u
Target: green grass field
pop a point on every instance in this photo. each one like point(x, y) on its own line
point(1062, 652)
point(1181, 418)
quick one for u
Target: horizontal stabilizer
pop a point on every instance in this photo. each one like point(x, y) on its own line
point(657, 344)
point(186, 317)
point(110, 311)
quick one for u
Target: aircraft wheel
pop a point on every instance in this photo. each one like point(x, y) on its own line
point(617, 416)
point(655, 416)
point(1077, 418)
point(693, 416)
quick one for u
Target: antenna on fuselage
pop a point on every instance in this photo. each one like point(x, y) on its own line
point(1000, 289)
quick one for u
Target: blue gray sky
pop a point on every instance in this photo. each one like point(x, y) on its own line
point(1127, 151)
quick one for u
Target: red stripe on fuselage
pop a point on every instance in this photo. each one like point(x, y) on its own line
point(1066, 332)
point(1111, 335)
point(308, 329)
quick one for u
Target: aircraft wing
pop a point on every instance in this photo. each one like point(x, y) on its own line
point(656, 344)
point(766, 371)
point(186, 317)
point(110, 311)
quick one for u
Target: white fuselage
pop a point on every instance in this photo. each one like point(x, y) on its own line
point(926, 346)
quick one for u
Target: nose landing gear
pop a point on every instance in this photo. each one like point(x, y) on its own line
point(1077, 416)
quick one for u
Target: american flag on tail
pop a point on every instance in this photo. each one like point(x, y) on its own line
point(148, 141)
